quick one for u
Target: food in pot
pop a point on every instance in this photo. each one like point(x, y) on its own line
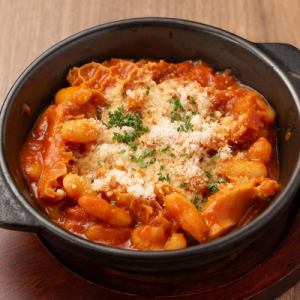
point(152, 155)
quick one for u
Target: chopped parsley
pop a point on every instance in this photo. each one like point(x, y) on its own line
point(177, 106)
point(195, 201)
point(141, 160)
point(199, 204)
point(202, 203)
point(187, 126)
point(208, 174)
point(147, 91)
point(162, 177)
point(152, 160)
point(148, 153)
point(175, 115)
point(165, 148)
point(113, 202)
point(213, 188)
point(183, 185)
point(119, 118)
point(213, 114)
point(180, 128)
point(161, 167)
point(126, 138)
point(192, 100)
point(184, 154)
point(141, 163)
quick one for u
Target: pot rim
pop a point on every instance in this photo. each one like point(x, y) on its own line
point(44, 223)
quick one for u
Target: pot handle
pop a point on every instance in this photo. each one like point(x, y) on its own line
point(12, 214)
point(287, 57)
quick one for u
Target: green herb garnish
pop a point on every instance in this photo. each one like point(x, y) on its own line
point(177, 106)
point(165, 148)
point(141, 163)
point(199, 204)
point(126, 138)
point(162, 177)
point(147, 91)
point(148, 153)
point(213, 188)
point(183, 185)
point(213, 114)
point(119, 118)
point(192, 100)
point(195, 201)
point(152, 160)
point(187, 125)
point(113, 202)
point(175, 115)
point(202, 204)
point(208, 174)
point(140, 160)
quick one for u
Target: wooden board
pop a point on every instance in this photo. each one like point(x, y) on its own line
point(28, 27)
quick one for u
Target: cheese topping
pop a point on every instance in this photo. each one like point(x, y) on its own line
point(180, 132)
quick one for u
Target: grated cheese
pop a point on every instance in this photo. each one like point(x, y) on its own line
point(134, 183)
point(225, 152)
point(186, 151)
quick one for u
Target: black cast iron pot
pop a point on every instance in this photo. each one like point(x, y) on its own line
point(271, 69)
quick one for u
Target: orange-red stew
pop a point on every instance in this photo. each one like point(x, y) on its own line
point(152, 155)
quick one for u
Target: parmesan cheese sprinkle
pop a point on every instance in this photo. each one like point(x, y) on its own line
point(179, 133)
